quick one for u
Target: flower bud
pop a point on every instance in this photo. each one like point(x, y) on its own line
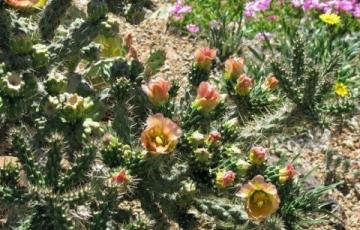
point(121, 178)
point(287, 173)
point(55, 83)
point(207, 98)
point(204, 58)
point(242, 166)
point(234, 67)
point(213, 137)
point(107, 139)
point(188, 187)
point(258, 155)
point(21, 43)
point(225, 178)
point(202, 154)
point(271, 82)
point(157, 91)
point(40, 55)
point(243, 85)
point(196, 139)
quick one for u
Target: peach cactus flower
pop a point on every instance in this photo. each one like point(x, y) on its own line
point(234, 67)
point(204, 57)
point(287, 173)
point(161, 135)
point(157, 91)
point(271, 82)
point(258, 155)
point(22, 4)
point(243, 85)
point(261, 198)
point(207, 98)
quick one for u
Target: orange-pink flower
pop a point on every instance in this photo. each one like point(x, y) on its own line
point(225, 178)
point(204, 57)
point(20, 4)
point(243, 85)
point(287, 173)
point(261, 198)
point(207, 98)
point(271, 82)
point(160, 135)
point(157, 91)
point(121, 177)
point(234, 67)
point(258, 155)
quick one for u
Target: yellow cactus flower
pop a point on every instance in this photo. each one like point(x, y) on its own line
point(160, 135)
point(261, 198)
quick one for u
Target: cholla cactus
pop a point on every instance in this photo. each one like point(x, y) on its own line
point(94, 132)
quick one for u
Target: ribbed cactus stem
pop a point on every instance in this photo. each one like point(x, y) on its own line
point(81, 34)
point(5, 28)
point(53, 167)
point(51, 17)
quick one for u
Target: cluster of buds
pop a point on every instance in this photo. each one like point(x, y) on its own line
point(157, 90)
point(261, 198)
point(258, 155)
point(200, 143)
point(161, 135)
point(91, 127)
point(207, 98)
point(225, 178)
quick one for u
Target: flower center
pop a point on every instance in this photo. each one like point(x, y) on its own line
point(159, 140)
point(259, 198)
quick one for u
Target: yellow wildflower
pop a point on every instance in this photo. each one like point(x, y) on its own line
point(341, 89)
point(331, 19)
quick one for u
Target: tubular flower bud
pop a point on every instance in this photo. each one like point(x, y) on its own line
point(196, 139)
point(204, 58)
point(261, 198)
point(225, 178)
point(213, 137)
point(287, 173)
point(258, 155)
point(121, 178)
point(242, 166)
point(202, 154)
point(161, 135)
point(234, 67)
point(207, 98)
point(157, 91)
point(243, 85)
point(271, 82)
